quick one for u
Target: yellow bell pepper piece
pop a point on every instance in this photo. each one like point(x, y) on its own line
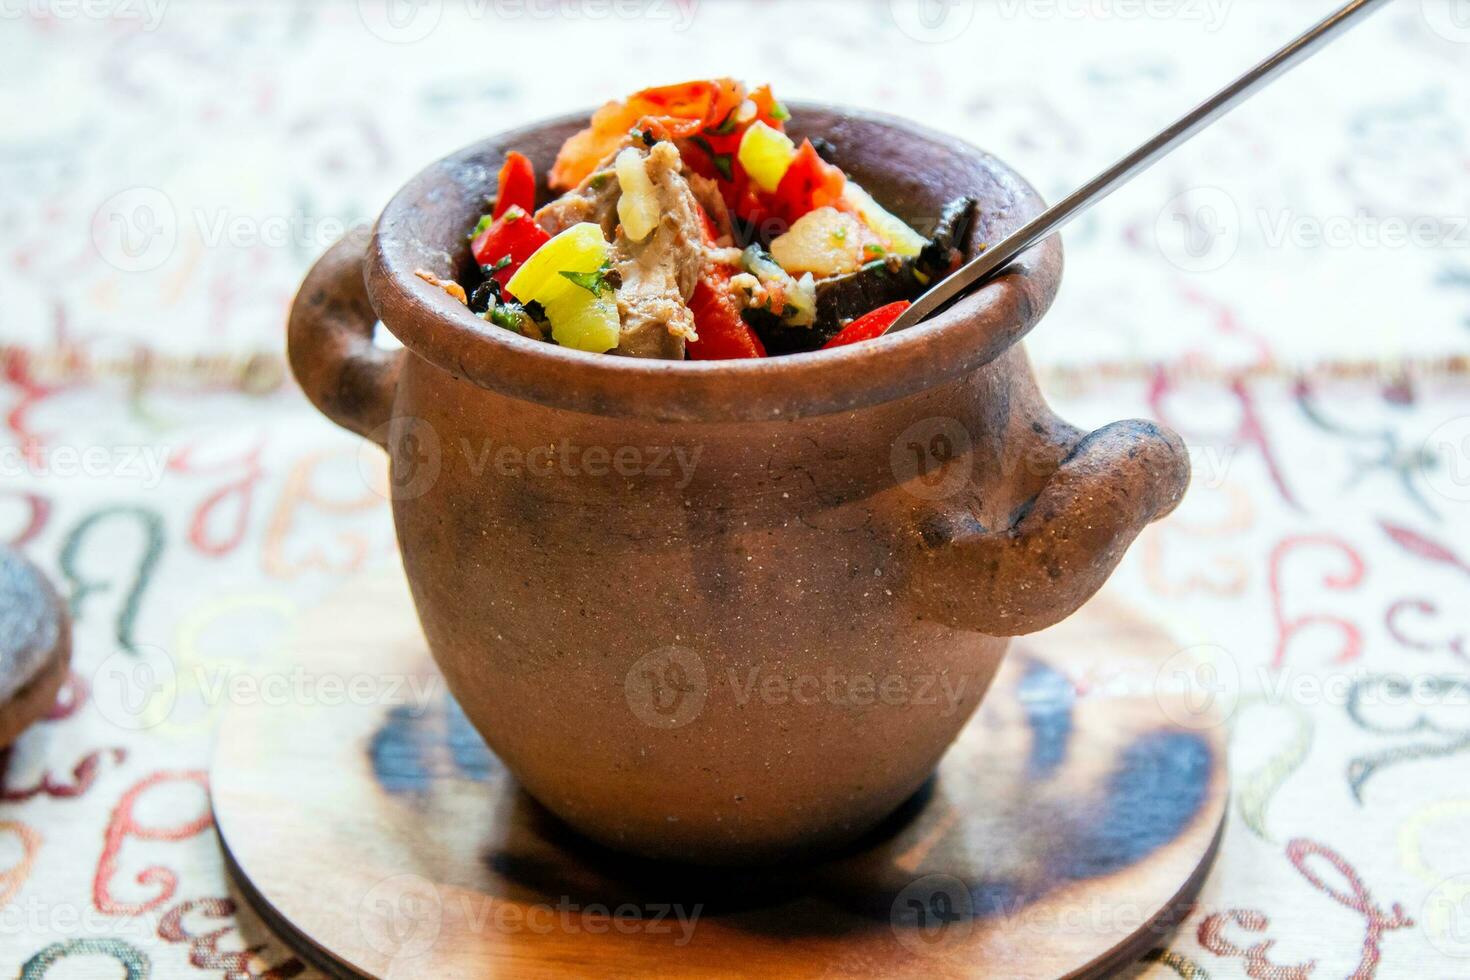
point(766, 155)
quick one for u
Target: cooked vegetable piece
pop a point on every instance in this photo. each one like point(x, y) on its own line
point(669, 112)
point(869, 325)
point(584, 321)
point(897, 236)
point(504, 247)
point(766, 154)
point(628, 259)
point(723, 335)
point(810, 183)
point(581, 248)
point(797, 297)
point(517, 186)
point(826, 242)
point(638, 207)
point(448, 285)
point(946, 251)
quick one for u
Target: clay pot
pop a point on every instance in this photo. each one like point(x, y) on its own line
point(725, 612)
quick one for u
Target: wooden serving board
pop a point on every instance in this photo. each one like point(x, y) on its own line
point(1066, 831)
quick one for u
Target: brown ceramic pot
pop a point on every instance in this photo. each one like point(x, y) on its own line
point(725, 612)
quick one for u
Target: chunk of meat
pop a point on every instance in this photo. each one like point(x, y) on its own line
point(707, 193)
point(658, 275)
point(594, 200)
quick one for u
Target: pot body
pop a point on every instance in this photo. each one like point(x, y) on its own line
point(693, 641)
point(725, 613)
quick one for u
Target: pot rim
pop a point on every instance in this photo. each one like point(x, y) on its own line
point(416, 231)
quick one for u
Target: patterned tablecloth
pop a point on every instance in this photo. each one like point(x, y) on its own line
point(1291, 292)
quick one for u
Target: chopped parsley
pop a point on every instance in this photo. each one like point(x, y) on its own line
point(728, 126)
point(485, 222)
point(780, 113)
point(724, 162)
point(595, 283)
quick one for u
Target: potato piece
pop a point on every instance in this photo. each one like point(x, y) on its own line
point(583, 321)
point(581, 249)
point(638, 207)
point(897, 236)
point(826, 242)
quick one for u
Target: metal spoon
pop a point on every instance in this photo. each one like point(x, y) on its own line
point(1050, 221)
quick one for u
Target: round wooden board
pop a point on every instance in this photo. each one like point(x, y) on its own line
point(1065, 833)
point(35, 645)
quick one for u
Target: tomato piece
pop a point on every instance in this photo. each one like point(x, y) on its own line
point(869, 325)
point(517, 186)
point(514, 236)
point(723, 334)
point(810, 183)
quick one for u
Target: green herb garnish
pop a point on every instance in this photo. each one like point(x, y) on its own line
point(726, 127)
point(724, 162)
point(485, 222)
point(780, 113)
point(507, 315)
point(594, 282)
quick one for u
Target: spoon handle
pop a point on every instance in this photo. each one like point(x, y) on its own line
point(1055, 217)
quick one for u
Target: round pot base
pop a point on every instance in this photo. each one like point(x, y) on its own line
point(1065, 833)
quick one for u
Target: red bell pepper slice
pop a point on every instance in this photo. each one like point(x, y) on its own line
point(723, 334)
point(514, 237)
point(517, 186)
point(869, 325)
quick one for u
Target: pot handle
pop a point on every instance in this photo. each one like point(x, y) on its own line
point(329, 341)
point(1061, 545)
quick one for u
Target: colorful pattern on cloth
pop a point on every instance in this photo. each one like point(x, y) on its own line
point(1291, 293)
